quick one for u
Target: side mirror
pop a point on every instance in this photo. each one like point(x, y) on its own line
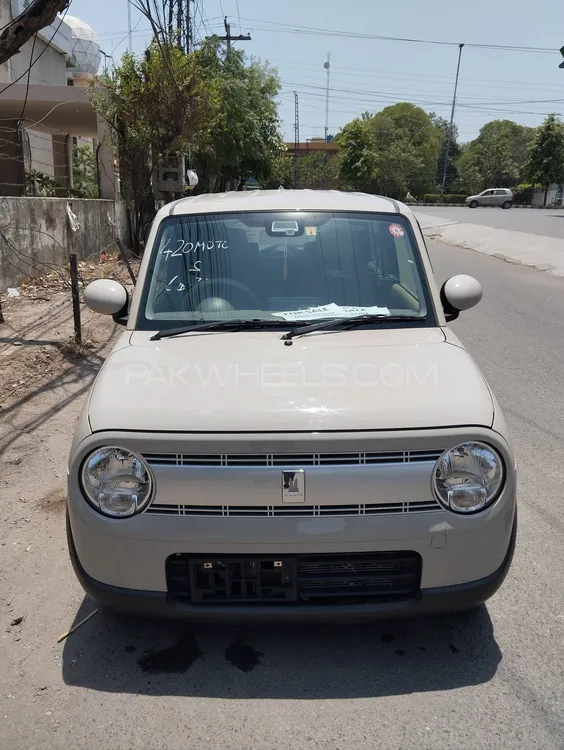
point(108, 297)
point(460, 293)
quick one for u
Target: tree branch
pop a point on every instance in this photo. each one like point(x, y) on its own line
point(40, 14)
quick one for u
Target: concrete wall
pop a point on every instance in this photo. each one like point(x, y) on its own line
point(37, 232)
point(554, 194)
point(50, 67)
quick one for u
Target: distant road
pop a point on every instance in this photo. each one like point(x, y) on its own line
point(549, 223)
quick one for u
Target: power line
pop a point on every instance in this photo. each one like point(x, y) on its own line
point(383, 98)
point(313, 31)
point(414, 78)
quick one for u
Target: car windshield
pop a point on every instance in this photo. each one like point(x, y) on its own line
point(293, 266)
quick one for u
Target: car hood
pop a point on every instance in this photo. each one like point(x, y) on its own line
point(251, 381)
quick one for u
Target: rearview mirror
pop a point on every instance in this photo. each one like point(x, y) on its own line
point(107, 297)
point(460, 293)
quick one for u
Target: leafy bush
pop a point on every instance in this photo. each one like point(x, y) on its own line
point(447, 198)
point(524, 192)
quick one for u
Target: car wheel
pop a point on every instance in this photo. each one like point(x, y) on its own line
point(507, 204)
point(473, 204)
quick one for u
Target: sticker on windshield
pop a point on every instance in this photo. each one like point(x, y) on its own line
point(330, 311)
point(396, 230)
point(311, 231)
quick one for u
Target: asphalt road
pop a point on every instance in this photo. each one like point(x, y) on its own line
point(549, 222)
point(489, 679)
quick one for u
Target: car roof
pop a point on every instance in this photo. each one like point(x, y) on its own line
point(279, 200)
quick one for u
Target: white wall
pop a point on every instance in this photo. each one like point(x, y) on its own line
point(50, 68)
point(40, 153)
point(554, 192)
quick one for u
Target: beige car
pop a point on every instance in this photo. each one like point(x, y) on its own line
point(286, 428)
point(493, 197)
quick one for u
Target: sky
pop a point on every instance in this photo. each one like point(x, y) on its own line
point(369, 74)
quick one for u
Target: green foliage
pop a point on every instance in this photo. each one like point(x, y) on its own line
point(41, 185)
point(447, 198)
point(358, 157)
point(525, 191)
point(281, 172)
point(318, 171)
point(408, 145)
point(455, 150)
point(497, 157)
point(546, 155)
point(164, 101)
point(84, 172)
point(244, 136)
point(391, 152)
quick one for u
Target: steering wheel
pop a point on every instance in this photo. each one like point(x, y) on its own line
point(209, 287)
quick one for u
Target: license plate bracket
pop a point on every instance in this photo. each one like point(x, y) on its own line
point(243, 579)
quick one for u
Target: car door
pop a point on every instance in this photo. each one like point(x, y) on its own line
point(500, 196)
point(487, 198)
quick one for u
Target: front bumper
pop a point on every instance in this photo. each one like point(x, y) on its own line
point(427, 602)
point(122, 562)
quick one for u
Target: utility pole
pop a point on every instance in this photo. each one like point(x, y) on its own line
point(189, 27)
point(449, 134)
point(327, 67)
point(179, 23)
point(129, 27)
point(296, 139)
point(229, 38)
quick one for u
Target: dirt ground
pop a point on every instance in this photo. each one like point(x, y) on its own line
point(44, 377)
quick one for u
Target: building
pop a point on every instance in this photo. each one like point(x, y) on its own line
point(331, 148)
point(45, 108)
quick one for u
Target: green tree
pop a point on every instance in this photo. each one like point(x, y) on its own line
point(497, 157)
point(281, 172)
point(318, 171)
point(455, 151)
point(358, 159)
point(546, 155)
point(391, 152)
point(244, 138)
point(408, 146)
point(159, 103)
point(84, 172)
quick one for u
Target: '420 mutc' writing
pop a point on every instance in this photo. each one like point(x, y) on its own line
point(183, 247)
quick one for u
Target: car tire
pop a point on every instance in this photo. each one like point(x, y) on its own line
point(473, 204)
point(507, 204)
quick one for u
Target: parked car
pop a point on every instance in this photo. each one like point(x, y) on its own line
point(287, 428)
point(494, 197)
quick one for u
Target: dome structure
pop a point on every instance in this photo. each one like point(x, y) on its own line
point(85, 47)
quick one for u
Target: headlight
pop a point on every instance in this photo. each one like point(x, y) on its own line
point(468, 478)
point(116, 482)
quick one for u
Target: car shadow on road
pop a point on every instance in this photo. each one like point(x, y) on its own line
point(164, 658)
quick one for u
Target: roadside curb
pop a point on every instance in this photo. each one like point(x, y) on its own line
point(520, 248)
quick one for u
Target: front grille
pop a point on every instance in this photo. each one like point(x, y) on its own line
point(291, 459)
point(323, 576)
point(294, 511)
point(316, 579)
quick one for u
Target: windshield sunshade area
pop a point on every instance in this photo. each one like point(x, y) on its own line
point(289, 266)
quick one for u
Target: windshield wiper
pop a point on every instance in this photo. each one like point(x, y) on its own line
point(221, 325)
point(344, 323)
